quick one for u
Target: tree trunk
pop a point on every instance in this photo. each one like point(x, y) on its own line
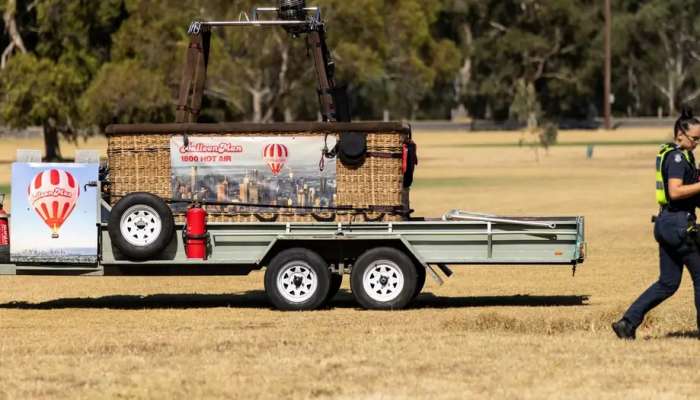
point(51, 142)
point(671, 95)
point(464, 75)
point(16, 41)
point(633, 90)
point(288, 114)
point(257, 105)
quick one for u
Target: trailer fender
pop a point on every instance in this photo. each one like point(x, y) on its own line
point(429, 269)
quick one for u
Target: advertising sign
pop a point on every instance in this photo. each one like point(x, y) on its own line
point(275, 170)
point(54, 213)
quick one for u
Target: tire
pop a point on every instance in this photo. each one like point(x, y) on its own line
point(420, 280)
point(141, 226)
point(383, 279)
point(297, 280)
point(336, 282)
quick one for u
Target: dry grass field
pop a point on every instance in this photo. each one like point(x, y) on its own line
point(497, 332)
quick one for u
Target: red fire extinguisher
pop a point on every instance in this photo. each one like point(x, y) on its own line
point(4, 233)
point(196, 235)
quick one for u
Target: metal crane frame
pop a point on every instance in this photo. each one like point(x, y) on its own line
point(197, 60)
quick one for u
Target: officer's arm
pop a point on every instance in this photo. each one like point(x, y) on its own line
point(678, 191)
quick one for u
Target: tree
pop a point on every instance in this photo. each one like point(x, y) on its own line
point(387, 50)
point(255, 71)
point(455, 24)
point(71, 39)
point(414, 58)
point(384, 51)
point(544, 43)
point(78, 32)
point(668, 32)
point(125, 92)
point(48, 99)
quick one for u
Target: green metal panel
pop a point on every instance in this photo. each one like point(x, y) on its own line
point(241, 246)
point(434, 242)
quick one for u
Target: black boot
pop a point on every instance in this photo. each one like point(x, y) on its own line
point(624, 330)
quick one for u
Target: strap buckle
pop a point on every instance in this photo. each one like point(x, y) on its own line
point(195, 28)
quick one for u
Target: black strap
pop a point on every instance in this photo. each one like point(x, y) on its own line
point(194, 77)
point(200, 74)
point(196, 237)
point(182, 113)
point(383, 154)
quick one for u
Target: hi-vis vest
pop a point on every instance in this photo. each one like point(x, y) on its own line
point(661, 195)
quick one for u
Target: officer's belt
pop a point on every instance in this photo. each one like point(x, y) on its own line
point(666, 208)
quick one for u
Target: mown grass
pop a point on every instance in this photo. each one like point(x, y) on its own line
point(435, 183)
point(489, 332)
point(564, 144)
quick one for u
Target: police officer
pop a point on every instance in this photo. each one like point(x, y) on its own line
point(678, 193)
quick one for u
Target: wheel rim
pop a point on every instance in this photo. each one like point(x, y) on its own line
point(297, 282)
point(140, 225)
point(383, 281)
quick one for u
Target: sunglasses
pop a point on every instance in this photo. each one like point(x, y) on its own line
point(695, 140)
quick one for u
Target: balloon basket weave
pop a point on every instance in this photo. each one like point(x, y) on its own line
point(139, 161)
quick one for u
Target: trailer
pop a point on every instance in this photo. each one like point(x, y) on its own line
point(387, 262)
point(62, 224)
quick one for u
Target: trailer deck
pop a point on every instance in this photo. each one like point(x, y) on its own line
point(247, 246)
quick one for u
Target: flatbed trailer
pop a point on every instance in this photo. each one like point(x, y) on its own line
point(304, 263)
point(388, 261)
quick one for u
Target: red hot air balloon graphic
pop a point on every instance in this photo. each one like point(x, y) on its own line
point(53, 194)
point(276, 156)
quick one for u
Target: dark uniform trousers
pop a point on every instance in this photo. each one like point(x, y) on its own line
point(676, 249)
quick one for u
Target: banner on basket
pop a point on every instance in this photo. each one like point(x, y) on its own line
point(273, 170)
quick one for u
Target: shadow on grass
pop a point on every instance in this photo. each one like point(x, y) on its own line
point(428, 300)
point(258, 299)
point(683, 335)
point(251, 299)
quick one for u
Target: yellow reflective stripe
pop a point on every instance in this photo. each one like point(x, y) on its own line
point(661, 196)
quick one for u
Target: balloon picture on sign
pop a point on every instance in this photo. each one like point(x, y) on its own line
point(53, 194)
point(275, 155)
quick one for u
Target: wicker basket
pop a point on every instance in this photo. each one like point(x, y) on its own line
point(139, 161)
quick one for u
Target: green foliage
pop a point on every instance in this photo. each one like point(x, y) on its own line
point(658, 54)
point(549, 135)
point(528, 60)
point(77, 32)
point(388, 48)
point(547, 44)
point(155, 34)
point(525, 108)
point(125, 92)
point(34, 91)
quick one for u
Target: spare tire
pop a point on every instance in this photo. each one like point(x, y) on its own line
point(141, 226)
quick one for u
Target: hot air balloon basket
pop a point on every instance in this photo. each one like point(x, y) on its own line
point(140, 161)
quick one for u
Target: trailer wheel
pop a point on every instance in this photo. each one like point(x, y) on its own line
point(336, 282)
point(297, 280)
point(420, 280)
point(141, 226)
point(383, 279)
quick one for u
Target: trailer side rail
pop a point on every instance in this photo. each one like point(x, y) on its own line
point(435, 242)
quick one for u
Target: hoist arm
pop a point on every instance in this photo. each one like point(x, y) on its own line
point(296, 19)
